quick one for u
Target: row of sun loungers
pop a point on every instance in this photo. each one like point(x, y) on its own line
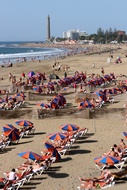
point(27, 170)
point(114, 158)
point(96, 183)
point(6, 141)
point(65, 145)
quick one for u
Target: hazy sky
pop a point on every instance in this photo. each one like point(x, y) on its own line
point(26, 20)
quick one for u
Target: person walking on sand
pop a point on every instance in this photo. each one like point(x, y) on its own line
point(93, 65)
point(102, 71)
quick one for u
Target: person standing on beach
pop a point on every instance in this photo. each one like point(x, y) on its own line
point(53, 69)
point(102, 71)
point(23, 75)
point(93, 65)
point(74, 85)
point(65, 74)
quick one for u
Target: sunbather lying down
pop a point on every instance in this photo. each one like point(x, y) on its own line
point(105, 179)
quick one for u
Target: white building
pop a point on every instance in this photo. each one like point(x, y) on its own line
point(74, 34)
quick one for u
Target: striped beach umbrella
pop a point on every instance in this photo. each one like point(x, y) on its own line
point(30, 155)
point(107, 160)
point(24, 123)
point(57, 136)
point(7, 127)
point(69, 127)
point(13, 134)
point(125, 134)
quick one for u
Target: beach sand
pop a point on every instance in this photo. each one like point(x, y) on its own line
point(103, 131)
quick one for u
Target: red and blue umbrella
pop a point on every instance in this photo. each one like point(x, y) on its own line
point(82, 105)
point(43, 105)
point(69, 127)
point(13, 134)
point(56, 154)
point(101, 94)
point(125, 134)
point(24, 123)
point(107, 160)
point(37, 89)
point(8, 127)
point(30, 155)
point(54, 105)
point(1, 100)
point(49, 146)
point(57, 136)
point(53, 150)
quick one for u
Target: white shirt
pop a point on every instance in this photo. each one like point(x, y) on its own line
point(12, 176)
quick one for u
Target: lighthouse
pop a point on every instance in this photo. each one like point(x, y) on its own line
point(48, 28)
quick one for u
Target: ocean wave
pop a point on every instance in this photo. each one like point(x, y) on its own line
point(28, 54)
point(31, 55)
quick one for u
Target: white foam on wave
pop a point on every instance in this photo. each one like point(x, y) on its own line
point(29, 54)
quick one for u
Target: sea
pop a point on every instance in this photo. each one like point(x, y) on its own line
point(13, 52)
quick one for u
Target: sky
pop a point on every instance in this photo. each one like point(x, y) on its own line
point(26, 20)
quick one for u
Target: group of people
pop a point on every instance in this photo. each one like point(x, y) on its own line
point(106, 177)
point(117, 150)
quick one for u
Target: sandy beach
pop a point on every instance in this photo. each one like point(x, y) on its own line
point(103, 131)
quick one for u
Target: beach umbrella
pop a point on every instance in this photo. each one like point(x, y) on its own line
point(31, 73)
point(30, 155)
point(43, 105)
point(37, 89)
point(57, 136)
point(54, 105)
point(82, 105)
point(53, 150)
point(56, 154)
point(8, 127)
point(24, 123)
point(49, 146)
point(125, 134)
point(69, 127)
point(107, 160)
point(1, 100)
point(13, 134)
point(101, 94)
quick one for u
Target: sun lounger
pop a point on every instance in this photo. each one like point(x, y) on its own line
point(96, 184)
point(118, 165)
point(39, 171)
